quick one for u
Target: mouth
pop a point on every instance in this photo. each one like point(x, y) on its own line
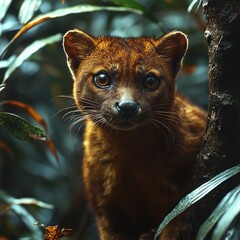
point(123, 125)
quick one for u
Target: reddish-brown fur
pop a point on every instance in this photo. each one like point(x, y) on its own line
point(135, 170)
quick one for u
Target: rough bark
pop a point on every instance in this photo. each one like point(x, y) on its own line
point(221, 147)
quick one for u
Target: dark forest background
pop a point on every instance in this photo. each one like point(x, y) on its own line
point(37, 184)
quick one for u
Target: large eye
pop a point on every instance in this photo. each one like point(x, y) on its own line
point(150, 82)
point(102, 80)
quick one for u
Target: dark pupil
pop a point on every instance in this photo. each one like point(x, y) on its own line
point(151, 82)
point(102, 79)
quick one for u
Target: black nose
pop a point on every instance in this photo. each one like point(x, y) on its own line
point(127, 108)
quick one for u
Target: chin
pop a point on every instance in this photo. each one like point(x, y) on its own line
point(124, 126)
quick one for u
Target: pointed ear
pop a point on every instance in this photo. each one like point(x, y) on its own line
point(77, 46)
point(172, 47)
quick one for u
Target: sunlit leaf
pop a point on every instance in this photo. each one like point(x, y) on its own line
point(196, 195)
point(31, 201)
point(6, 63)
point(229, 215)
point(21, 128)
point(4, 5)
point(24, 201)
point(193, 3)
point(64, 12)
point(2, 86)
point(27, 10)
point(9, 200)
point(28, 51)
point(222, 208)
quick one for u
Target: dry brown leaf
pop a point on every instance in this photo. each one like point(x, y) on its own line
point(6, 149)
point(188, 69)
point(3, 238)
point(54, 232)
point(51, 148)
point(4, 207)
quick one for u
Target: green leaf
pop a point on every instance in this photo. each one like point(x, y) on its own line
point(223, 207)
point(2, 86)
point(14, 204)
point(128, 3)
point(27, 10)
point(21, 128)
point(64, 12)
point(135, 5)
point(4, 5)
point(192, 4)
point(28, 220)
point(196, 195)
point(228, 216)
point(6, 63)
point(82, 8)
point(9, 201)
point(28, 51)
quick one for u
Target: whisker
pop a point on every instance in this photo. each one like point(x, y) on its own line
point(74, 117)
point(89, 101)
point(62, 110)
point(98, 119)
point(64, 96)
point(152, 121)
point(164, 107)
point(70, 112)
point(168, 134)
point(166, 117)
point(69, 105)
point(89, 109)
point(166, 127)
point(165, 112)
point(76, 121)
point(147, 127)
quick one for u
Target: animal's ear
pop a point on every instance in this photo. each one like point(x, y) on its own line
point(172, 48)
point(77, 46)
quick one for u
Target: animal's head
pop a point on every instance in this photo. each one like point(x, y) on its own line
point(124, 82)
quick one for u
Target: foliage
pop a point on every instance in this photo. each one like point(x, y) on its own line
point(222, 213)
point(224, 220)
point(33, 72)
point(21, 128)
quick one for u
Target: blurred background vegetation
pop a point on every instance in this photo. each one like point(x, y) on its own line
point(37, 184)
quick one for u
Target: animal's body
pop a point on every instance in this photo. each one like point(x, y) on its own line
point(141, 137)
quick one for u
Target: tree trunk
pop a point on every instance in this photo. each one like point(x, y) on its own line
point(221, 146)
